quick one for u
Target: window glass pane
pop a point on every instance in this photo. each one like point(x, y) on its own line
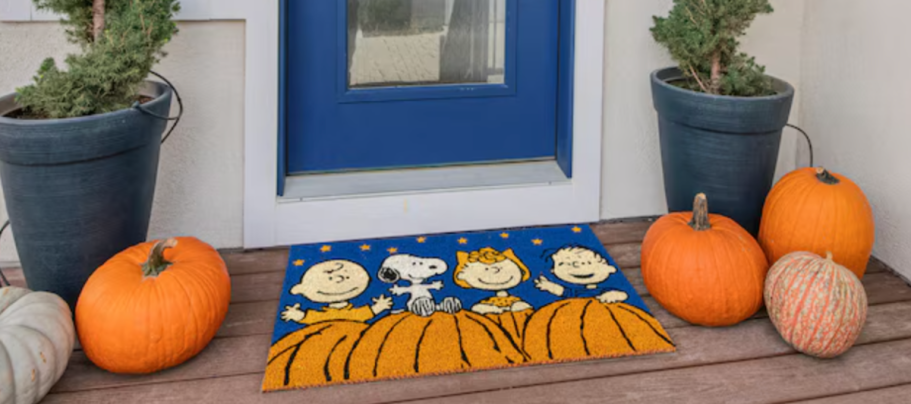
point(394, 43)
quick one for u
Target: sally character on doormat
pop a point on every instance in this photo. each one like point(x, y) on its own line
point(334, 283)
point(491, 270)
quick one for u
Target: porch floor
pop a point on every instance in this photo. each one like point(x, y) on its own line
point(746, 363)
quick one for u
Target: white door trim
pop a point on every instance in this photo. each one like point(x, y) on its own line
point(270, 223)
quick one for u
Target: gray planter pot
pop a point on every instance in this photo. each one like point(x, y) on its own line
point(79, 190)
point(725, 147)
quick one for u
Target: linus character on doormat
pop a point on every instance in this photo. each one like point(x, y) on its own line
point(584, 270)
point(491, 270)
point(334, 283)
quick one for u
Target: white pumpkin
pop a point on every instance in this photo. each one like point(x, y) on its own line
point(36, 340)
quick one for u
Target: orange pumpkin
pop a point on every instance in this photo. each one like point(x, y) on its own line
point(513, 323)
point(579, 328)
point(818, 306)
point(406, 344)
point(704, 268)
point(818, 211)
point(313, 356)
point(153, 306)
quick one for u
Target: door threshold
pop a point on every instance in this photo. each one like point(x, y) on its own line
point(420, 180)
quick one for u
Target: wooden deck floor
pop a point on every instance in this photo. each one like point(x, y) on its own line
point(746, 363)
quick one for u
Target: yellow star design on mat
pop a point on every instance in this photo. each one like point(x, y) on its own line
point(504, 236)
point(422, 240)
point(299, 263)
point(326, 248)
point(577, 229)
point(537, 241)
point(463, 241)
point(393, 250)
point(365, 247)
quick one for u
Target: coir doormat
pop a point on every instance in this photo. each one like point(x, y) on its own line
point(429, 305)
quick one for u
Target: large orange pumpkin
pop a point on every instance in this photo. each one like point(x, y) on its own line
point(513, 322)
point(580, 328)
point(153, 306)
point(313, 356)
point(406, 344)
point(704, 268)
point(818, 306)
point(818, 211)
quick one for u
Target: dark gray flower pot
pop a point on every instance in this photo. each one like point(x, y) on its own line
point(725, 147)
point(79, 190)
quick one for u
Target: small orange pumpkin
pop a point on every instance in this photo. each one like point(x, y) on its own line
point(513, 322)
point(580, 328)
point(818, 211)
point(406, 344)
point(313, 356)
point(704, 268)
point(153, 306)
point(818, 306)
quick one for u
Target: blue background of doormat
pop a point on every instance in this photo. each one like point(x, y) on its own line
point(445, 247)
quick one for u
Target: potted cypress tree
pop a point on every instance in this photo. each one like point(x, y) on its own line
point(720, 116)
point(79, 147)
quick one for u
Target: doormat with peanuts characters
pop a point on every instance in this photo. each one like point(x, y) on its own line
point(429, 305)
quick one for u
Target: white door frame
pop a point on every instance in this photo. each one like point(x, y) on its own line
point(269, 222)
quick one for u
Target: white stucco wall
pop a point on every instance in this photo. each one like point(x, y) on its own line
point(200, 180)
point(632, 177)
point(856, 106)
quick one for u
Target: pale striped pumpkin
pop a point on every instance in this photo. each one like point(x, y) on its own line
point(818, 306)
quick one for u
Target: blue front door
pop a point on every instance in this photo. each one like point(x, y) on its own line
point(377, 84)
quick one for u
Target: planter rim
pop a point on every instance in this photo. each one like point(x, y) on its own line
point(70, 140)
point(160, 91)
point(662, 77)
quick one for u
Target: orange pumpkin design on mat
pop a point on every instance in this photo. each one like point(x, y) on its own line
point(407, 344)
point(819, 211)
point(513, 323)
point(580, 328)
point(315, 355)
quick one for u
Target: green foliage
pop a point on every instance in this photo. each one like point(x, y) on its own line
point(701, 36)
point(106, 76)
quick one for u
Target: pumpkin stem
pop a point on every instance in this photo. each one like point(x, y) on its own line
point(700, 220)
point(829, 256)
point(826, 177)
point(156, 263)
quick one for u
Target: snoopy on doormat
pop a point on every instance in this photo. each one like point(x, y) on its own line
point(417, 270)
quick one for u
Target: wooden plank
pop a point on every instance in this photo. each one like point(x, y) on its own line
point(15, 276)
point(223, 357)
point(231, 369)
point(255, 318)
point(898, 395)
point(257, 287)
point(626, 255)
point(256, 261)
point(621, 239)
point(622, 232)
point(777, 379)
